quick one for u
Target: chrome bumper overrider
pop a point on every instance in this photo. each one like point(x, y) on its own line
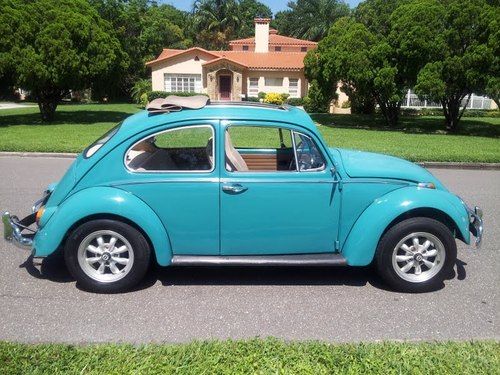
point(476, 224)
point(12, 231)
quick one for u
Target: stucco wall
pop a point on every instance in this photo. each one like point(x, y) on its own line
point(302, 89)
point(183, 64)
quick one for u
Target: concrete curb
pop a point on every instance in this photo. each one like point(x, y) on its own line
point(425, 164)
point(459, 165)
point(67, 155)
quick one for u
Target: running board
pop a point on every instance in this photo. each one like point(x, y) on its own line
point(322, 259)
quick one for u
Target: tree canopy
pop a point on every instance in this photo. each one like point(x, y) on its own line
point(53, 46)
point(310, 19)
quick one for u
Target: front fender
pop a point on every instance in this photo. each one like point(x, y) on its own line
point(102, 201)
point(361, 243)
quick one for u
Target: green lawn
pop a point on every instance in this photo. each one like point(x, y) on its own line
point(418, 138)
point(255, 356)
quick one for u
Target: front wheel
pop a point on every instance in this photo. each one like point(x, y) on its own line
point(107, 256)
point(416, 255)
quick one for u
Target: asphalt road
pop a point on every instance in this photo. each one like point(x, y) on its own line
point(40, 303)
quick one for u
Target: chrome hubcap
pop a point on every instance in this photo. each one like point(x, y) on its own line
point(418, 257)
point(105, 256)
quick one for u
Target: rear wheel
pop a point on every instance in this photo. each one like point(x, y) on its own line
point(107, 256)
point(416, 255)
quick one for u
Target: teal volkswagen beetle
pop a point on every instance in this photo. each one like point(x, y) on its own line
point(242, 184)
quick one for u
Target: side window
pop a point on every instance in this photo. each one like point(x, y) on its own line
point(189, 148)
point(259, 148)
point(309, 157)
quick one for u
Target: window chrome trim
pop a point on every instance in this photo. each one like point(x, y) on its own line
point(169, 171)
point(319, 169)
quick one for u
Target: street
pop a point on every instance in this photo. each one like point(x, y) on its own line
point(40, 303)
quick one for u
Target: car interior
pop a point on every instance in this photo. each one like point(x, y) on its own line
point(147, 155)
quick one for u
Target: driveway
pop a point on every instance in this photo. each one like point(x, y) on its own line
point(40, 303)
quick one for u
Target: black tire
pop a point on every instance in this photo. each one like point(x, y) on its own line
point(392, 238)
point(133, 275)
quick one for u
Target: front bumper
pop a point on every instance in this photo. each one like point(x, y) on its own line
point(13, 230)
point(476, 224)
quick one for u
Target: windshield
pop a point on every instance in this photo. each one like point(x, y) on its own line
point(92, 149)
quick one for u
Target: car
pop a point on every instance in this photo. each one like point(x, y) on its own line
point(242, 184)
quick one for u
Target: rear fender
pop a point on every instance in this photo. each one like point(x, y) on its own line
point(361, 243)
point(102, 201)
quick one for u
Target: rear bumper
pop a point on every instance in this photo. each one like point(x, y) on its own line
point(476, 226)
point(13, 230)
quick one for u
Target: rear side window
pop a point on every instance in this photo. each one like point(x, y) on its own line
point(92, 149)
point(189, 148)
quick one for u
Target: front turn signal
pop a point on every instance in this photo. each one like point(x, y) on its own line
point(39, 214)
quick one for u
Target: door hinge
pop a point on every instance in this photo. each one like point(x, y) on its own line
point(337, 245)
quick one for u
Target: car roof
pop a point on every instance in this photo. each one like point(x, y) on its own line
point(145, 120)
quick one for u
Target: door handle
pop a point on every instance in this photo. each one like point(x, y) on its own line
point(234, 188)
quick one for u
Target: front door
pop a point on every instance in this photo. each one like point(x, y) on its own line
point(270, 205)
point(225, 87)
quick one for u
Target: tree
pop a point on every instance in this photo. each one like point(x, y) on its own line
point(310, 19)
point(143, 29)
point(215, 22)
point(459, 51)
point(54, 46)
point(364, 62)
point(248, 11)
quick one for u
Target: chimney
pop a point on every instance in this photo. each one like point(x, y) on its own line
point(262, 34)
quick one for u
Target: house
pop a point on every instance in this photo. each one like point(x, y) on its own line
point(267, 62)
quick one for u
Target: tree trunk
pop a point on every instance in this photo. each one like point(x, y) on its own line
point(47, 102)
point(452, 112)
point(391, 112)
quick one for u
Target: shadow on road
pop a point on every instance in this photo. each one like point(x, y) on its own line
point(53, 268)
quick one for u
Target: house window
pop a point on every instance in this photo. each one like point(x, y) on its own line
point(277, 48)
point(253, 86)
point(245, 48)
point(303, 49)
point(274, 82)
point(293, 87)
point(183, 83)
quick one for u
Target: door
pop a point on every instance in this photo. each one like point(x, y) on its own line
point(173, 171)
point(225, 87)
point(290, 208)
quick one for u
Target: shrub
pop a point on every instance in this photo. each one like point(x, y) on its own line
point(163, 94)
point(275, 98)
point(252, 99)
point(261, 95)
point(295, 101)
point(141, 87)
point(346, 104)
point(316, 101)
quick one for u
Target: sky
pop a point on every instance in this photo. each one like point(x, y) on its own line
point(275, 5)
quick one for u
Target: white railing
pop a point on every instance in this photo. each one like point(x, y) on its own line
point(411, 100)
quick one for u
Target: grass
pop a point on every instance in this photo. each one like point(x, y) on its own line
point(269, 356)
point(417, 138)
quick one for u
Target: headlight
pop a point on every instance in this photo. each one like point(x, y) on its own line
point(426, 185)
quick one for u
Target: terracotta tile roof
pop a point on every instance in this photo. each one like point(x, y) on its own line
point(247, 59)
point(266, 61)
point(276, 40)
point(168, 53)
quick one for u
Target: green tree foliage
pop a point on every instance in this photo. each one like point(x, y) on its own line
point(143, 28)
point(249, 10)
point(364, 61)
point(53, 46)
point(310, 19)
point(458, 48)
point(216, 22)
